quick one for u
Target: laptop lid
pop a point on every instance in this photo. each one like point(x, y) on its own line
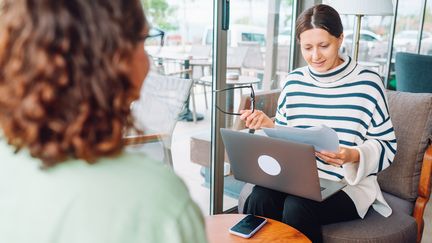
point(274, 163)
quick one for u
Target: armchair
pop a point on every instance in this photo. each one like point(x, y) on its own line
point(156, 113)
point(406, 184)
point(413, 72)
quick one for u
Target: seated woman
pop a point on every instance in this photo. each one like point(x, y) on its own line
point(68, 73)
point(335, 91)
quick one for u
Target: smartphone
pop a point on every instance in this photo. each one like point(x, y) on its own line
point(247, 226)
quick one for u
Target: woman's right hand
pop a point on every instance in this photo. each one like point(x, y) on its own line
point(256, 119)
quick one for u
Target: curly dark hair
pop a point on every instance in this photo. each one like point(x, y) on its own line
point(64, 85)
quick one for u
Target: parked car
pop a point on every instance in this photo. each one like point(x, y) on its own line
point(248, 34)
point(406, 40)
point(238, 33)
point(284, 37)
point(371, 44)
point(426, 46)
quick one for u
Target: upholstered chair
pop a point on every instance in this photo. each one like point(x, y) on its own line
point(413, 72)
point(406, 184)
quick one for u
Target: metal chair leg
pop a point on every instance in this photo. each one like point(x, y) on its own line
point(194, 116)
point(205, 96)
point(168, 157)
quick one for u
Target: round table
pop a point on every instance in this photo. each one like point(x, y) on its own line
point(217, 227)
point(242, 80)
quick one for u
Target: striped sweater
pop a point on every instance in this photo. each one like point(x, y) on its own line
point(351, 100)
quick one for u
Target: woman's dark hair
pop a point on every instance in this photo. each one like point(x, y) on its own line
point(64, 84)
point(319, 16)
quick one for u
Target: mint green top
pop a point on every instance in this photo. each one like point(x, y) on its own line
point(126, 199)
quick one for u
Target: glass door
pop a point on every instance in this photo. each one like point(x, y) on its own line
point(217, 44)
point(258, 44)
point(187, 54)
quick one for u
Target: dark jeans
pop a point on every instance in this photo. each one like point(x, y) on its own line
point(305, 215)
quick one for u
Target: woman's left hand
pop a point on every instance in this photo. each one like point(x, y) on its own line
point(345, 155)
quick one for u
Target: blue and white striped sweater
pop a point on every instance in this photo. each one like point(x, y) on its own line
point(351, 100)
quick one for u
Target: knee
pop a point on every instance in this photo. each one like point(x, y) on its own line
point(301, 214)
point(295, 210)
point(260, 196)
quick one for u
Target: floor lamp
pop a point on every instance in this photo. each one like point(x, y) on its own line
point(360, 8)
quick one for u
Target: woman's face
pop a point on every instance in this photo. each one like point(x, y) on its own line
point(320, 49)
point(139, 65)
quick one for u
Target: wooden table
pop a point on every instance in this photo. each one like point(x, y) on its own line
point(242, 80)
point(273, 231)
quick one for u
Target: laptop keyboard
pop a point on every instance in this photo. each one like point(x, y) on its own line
point(322, 188)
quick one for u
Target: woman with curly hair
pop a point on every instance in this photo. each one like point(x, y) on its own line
point(68, 73)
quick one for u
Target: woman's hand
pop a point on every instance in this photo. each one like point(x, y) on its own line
point(345, 155)
point(256, 120)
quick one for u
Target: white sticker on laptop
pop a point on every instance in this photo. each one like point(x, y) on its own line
point(269, 165)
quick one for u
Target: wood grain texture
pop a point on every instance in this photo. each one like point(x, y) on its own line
point(424, 191)
point(265, 101)
point(141, 139)
point(217, 227)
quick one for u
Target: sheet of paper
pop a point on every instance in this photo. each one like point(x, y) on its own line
point(322, 137)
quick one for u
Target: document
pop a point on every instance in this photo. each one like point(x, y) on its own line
point(323, 138)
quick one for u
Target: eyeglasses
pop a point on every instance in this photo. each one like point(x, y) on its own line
point(252, 99)
point(151, 38)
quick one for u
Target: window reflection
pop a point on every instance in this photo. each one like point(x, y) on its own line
point(426, 43)
point(374, 39)
point(407, 26)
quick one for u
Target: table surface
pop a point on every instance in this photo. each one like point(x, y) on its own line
point(369, 64)
point(178, 56)
point(217, 227)
point(240, 81)
point(209, 62)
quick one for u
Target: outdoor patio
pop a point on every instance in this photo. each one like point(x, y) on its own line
point(187, 170)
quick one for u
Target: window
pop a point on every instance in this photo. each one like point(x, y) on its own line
point(252, 37)
point(426, 43)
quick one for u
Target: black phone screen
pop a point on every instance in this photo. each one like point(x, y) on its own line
point(247, 224)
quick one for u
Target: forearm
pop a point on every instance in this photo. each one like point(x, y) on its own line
point(369, 157)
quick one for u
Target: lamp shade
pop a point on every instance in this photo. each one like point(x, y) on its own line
point(362, 7)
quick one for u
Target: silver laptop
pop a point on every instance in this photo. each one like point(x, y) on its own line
point(277, 164)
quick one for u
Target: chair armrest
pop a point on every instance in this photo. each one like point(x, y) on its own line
point(265, 101)
point(141, 139)
point(185, 71)
point(424, 191)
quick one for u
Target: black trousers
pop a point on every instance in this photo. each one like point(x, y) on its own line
point(305, 215)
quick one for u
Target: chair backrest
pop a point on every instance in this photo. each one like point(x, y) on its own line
point(411, 115)
point(265, 101)
point(236, 56)
point(413, 72)
point(200, 51)
point(283, 58)
point(161, 101)
point(253, 58)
